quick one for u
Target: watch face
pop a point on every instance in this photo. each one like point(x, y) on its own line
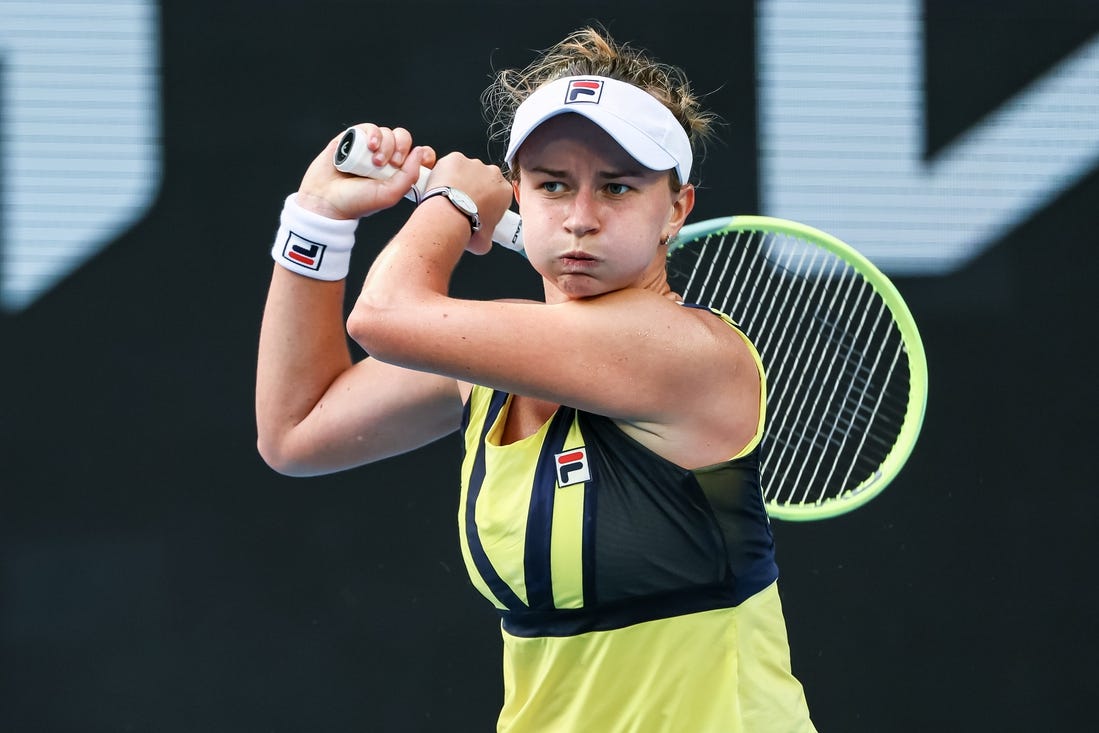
point(462, 201)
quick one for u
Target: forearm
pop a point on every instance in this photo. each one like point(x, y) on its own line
point(302, 350)
point(420, 259)
point(316, 412)
point(405, 297)
point(407, 286)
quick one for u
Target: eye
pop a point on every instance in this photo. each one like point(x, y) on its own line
point(617, 189)
point(553, 187)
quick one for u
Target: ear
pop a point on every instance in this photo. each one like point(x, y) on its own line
point(515, 190)
point(682, 205)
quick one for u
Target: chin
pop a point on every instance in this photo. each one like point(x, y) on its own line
point(576, 286)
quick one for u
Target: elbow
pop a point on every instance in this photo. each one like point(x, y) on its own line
point(371, 328)
point(396, 331)
point(280, 460)
point(359, 325)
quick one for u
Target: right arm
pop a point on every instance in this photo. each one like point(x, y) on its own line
point(316, 411)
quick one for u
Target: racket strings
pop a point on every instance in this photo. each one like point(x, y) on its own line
point(801, 371)
point(831, 424)
point(836, 364)
point(757, 282)
point(850, 362)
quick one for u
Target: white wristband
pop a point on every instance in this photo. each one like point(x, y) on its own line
point(313, 245)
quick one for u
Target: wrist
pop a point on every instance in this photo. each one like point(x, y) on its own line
point(318, 205)
point(461, 202)
point(441, 213)
point(312, 244)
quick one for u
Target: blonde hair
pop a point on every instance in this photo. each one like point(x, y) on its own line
point(592, 52)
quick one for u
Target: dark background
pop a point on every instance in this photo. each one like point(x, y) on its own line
point(157, 576)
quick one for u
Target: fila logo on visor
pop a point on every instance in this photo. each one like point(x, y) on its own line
point(584, 90)
point(304, 252)
point(572, 467)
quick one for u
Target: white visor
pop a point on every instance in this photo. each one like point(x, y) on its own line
point(637, 120)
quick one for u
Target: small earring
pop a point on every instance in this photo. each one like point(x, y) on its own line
point(664, 240)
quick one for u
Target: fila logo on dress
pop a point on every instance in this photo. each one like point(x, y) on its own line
point(572, 467)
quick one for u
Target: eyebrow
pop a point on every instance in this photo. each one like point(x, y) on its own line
point(607, 175)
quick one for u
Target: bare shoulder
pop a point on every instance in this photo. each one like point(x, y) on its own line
point(713, 403)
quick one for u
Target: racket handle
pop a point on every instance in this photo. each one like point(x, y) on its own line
point(353, 157)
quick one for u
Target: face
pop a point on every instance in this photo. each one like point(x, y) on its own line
point(593, 217)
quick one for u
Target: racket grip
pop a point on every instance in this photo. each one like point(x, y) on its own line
point(352, 156)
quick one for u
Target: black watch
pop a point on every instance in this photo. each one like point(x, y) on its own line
point(462, 202)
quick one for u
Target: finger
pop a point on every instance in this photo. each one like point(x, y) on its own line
point(402, 144)
point(369, 132)
point(408, 175)
point(383, 152)
point(429, 156)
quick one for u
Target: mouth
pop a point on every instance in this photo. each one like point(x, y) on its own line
point(578, 258)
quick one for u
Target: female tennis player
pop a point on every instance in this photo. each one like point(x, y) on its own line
point(611, 506)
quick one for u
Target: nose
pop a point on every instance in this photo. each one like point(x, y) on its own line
point(583, 214)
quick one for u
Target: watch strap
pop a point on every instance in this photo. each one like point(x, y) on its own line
point(474, 219)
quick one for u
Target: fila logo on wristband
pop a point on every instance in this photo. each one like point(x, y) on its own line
point(572, 467)
point(323, 252)
point(584, 90)
point(300, 250)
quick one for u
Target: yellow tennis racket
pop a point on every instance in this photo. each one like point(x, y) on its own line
point(846, 369)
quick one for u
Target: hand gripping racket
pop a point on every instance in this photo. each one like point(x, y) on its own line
point(846, 369)
point(352, 156)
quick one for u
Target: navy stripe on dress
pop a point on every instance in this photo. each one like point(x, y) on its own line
point(495, 583)
point(617, 615)
point(536, 555)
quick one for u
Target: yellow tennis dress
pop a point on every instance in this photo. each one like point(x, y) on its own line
point(635, 596)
